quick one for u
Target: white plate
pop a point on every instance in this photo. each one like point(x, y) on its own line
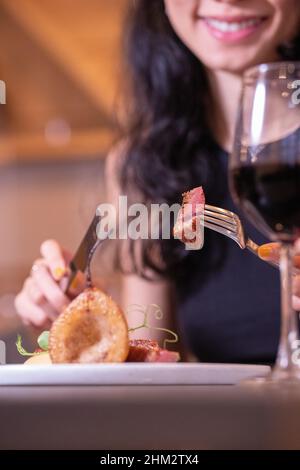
point(129, 374)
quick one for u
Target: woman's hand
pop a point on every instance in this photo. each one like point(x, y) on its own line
point(270, 252)
point(41, 299)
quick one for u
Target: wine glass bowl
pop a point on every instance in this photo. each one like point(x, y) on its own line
point(264, 176)
point(265, 165)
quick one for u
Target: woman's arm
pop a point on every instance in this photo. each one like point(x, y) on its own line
point(139, 294)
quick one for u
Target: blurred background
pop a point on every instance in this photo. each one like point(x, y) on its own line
point(60, 61)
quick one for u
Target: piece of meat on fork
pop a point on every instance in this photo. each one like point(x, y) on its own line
point(188, 227)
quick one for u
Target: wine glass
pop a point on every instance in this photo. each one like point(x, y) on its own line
point(264, 174)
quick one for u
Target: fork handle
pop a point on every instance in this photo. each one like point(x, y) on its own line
point(253, 247)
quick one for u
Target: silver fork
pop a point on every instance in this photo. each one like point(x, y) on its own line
point(229, 224)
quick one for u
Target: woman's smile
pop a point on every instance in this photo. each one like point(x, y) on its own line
point(234, 35)
point(233, 29)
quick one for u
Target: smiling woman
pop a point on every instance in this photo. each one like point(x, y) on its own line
point(185, 61)
point(186, 87)
point(179, 119)
point(236, 34)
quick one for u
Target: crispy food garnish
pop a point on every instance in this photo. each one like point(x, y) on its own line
point(91, 329)
point(41, 358)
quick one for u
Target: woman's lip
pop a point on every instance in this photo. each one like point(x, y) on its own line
point(233, 19)
point(233, 36)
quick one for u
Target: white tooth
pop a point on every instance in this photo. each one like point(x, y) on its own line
point(223, 27)
point(219, 24)
point(235, 27)
point(214, 23)
point(232, 27)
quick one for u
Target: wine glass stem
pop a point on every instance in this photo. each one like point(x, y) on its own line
point(289, 337)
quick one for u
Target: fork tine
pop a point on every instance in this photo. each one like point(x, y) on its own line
point(221, 230)
point(220, 223)
point(221, 217)
point(219, 210)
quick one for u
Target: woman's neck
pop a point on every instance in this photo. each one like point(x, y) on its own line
point(226, 90)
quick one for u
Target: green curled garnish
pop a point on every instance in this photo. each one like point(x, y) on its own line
point(155, 311)
point(20, 348)
point(42, 342)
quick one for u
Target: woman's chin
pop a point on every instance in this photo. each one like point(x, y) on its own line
point(237, 63)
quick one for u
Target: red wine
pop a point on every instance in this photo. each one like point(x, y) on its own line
point(270, 196)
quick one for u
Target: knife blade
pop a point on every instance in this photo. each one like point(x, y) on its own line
point(84, 254)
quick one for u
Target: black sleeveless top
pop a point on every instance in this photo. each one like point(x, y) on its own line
point(231, 314)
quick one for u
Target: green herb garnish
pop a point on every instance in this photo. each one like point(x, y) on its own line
point(156, 312)
point(43, 340)
point(20, 348)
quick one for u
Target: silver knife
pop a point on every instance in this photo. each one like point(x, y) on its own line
point(83, 256)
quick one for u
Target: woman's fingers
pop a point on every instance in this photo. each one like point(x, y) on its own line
point(33, 291)
point(42, 299)
point(78, 285)
point(36, 296)
point(48, 286)
point(296, 286)
point(30, 313)
point(297, 246)
point(55, 258)
point(271, 252)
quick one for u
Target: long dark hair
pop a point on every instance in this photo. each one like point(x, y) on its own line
point(169, 144)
